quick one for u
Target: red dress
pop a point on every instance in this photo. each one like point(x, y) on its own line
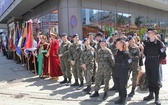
point(45, 61)
point(55, 69)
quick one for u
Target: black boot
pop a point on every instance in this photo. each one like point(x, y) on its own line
point(69, 80)
point(76, 83)
point(80, 86)
point(64, 81)
point(118, 101)
point(157, 101)
point(105, 96)
point(88, 90)
point(132, 93)
point(95, 94)
point(149, 97)
point(113, 89)
point(123, 101)
point(93, 79)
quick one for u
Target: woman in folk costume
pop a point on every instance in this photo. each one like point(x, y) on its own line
point(55, 69)
point(42, 60)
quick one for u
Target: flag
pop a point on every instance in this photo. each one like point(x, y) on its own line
point(29, 38)
point(18, 48)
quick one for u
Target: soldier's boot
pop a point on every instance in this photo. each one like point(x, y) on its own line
point(105, 95)
point(88, 90)
point(132, 93)
point(69, 80)
point(93, 79)
point(113, 89)
point(64, 81)
point(80, 86)
point(119, 101)
point(157, 101)
point(149, 97)
point(95, 94)
point(102, 83)
point(76, 83)
point(123, 101)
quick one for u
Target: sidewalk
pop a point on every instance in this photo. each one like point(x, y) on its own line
point(19, 87)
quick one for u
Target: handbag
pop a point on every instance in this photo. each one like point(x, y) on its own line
point(164, 61)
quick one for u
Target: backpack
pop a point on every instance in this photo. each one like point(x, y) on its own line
point(143, 83)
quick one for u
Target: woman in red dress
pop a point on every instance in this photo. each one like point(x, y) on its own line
point(55, 69)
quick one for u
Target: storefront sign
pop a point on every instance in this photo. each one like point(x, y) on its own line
point(73, 21)
point(4, 4)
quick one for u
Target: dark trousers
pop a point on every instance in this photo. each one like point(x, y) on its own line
point(121, 85)
point(153, 75)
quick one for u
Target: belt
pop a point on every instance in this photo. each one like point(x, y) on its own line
point(120, 64)
point(151, 56)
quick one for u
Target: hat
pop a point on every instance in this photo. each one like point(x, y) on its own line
point(120, 39)
point(129, 38)
point(99, 34)
point(152, 29)
point(91, 34)
point(103, 40)
point(64, 34)
point(53, 34)
point(75, 35)
point(84, 40)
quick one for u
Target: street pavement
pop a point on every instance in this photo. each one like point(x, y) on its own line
point(20, 87)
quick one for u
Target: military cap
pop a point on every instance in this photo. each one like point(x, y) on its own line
point(75, 35)
point(99, 34)
point(103, 40)
point(64, 34)
point(152, 29)
point(85, 39)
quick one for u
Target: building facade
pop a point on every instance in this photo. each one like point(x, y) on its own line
point(83, 16)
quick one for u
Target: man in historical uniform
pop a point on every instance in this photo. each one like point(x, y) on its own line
point(64, 55)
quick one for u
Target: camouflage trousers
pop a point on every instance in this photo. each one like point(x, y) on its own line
point(88, 76)
point(66, 68)
point(77, 71)
point(134, 77)
point(100, 75)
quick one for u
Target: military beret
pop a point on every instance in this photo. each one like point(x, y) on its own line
point(64, 34)
point(152, 29)
point(84, 40)
point(129, 38)
point(75, 35)
point(99, 34)
point(103, 40)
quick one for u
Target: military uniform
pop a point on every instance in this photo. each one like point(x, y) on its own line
point(106, 62)
point(120, 73)
point(112, 47)
point(65, 63)
point(154, 53)
point(135, 53)
point(75, 55)
point(87, 58)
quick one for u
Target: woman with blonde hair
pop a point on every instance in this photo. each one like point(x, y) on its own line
point(123, 63)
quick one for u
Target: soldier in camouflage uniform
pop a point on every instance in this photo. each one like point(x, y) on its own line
point(93, 44)
point(75, 55)
point(112, 47)
point(105, 61)
point(64, 55)
point(135, 53)
point(87, 61)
